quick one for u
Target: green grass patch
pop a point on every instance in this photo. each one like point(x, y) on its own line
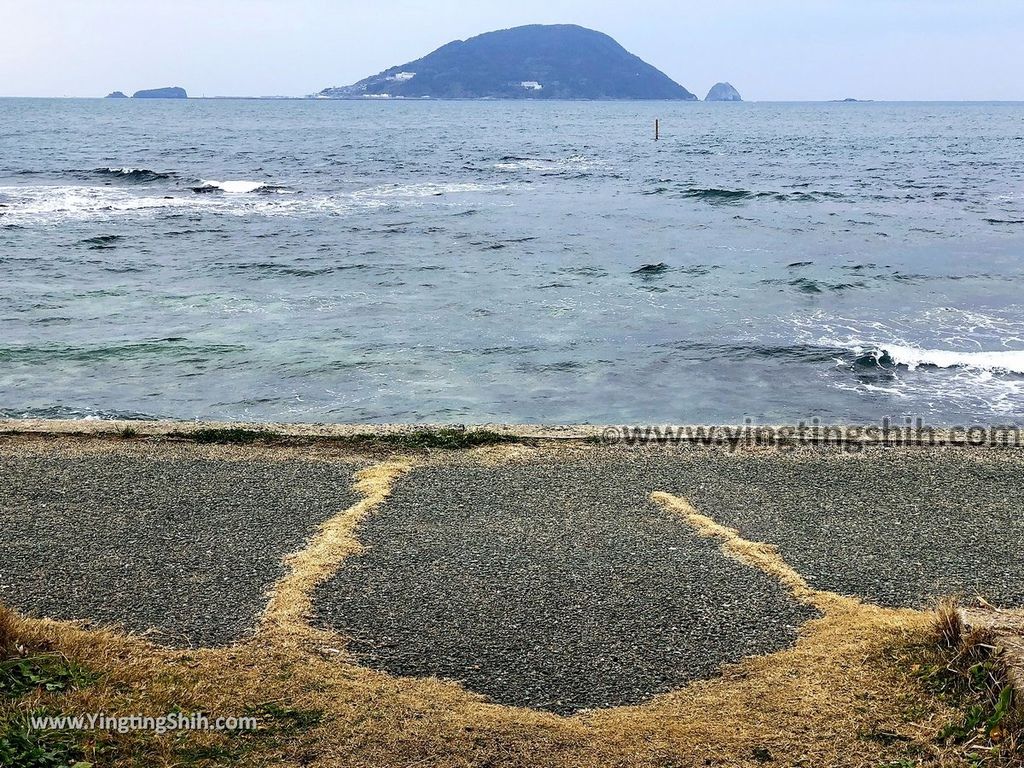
point(984, 699)
point(966, 670)
point(30, 671)
point(20, 675)
point(23, 747)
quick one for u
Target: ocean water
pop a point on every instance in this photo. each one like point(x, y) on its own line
point(512, 262)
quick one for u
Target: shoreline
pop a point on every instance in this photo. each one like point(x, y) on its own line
point(736, 435)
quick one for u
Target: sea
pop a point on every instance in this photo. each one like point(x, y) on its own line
point(525, 262)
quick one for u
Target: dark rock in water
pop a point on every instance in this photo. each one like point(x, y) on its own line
point(558, 61)
point(102, 242)
point(652, 269)
point(116, 95)
point(161, 93)
point(805, 285)
point(723, 92)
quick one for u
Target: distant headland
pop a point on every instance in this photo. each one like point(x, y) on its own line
point(153, 93)
point(558, 61)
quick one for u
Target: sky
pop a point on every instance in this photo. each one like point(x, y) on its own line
point(769, 49)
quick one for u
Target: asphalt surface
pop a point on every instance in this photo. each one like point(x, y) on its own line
point(557, 585)
point(549, 581)
point(896, 527)
point(185, 545)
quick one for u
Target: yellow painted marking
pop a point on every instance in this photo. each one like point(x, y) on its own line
point(291, 600)
point(764, 557)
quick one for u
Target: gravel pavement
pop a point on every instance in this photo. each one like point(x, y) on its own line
point(556, 585)
point(899, 527)
point(185, 545)
point(549, 581)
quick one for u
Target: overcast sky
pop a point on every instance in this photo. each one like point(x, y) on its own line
point(769, 49)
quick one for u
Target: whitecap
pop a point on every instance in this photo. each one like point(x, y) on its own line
point(915, 357)
point(235, 186)
point(931, 361)
point(424, 189)
point(545, 165)
point(134, 174)
point(51, 204)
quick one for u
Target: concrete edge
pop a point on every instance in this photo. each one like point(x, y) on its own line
point(731, 435)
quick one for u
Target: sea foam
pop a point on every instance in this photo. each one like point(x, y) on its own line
point(22, 205)
point(238, 186)
point(914, 357)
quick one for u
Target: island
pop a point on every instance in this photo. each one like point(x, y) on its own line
point(723, 92)
point(116, 95)
point(537, 61)
point(161, 93)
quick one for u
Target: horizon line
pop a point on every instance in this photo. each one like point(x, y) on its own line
point(314, 97)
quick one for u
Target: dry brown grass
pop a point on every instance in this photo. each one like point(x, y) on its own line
point(978, 666)
point(290, 601)
point(764, 557)
point(8, 630)
point(949, 625)
point(845, 695)
point(840, 698)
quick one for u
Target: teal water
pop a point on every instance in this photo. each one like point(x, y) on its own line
point(513, 262)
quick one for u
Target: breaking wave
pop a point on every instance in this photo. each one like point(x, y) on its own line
point(137, 175)
point(892, 355)
point(925, 361)
point(241, 187)
point(573, 166)
point(49, 204)
point(423, 189)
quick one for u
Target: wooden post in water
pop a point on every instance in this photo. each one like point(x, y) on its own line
point(656, 129)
